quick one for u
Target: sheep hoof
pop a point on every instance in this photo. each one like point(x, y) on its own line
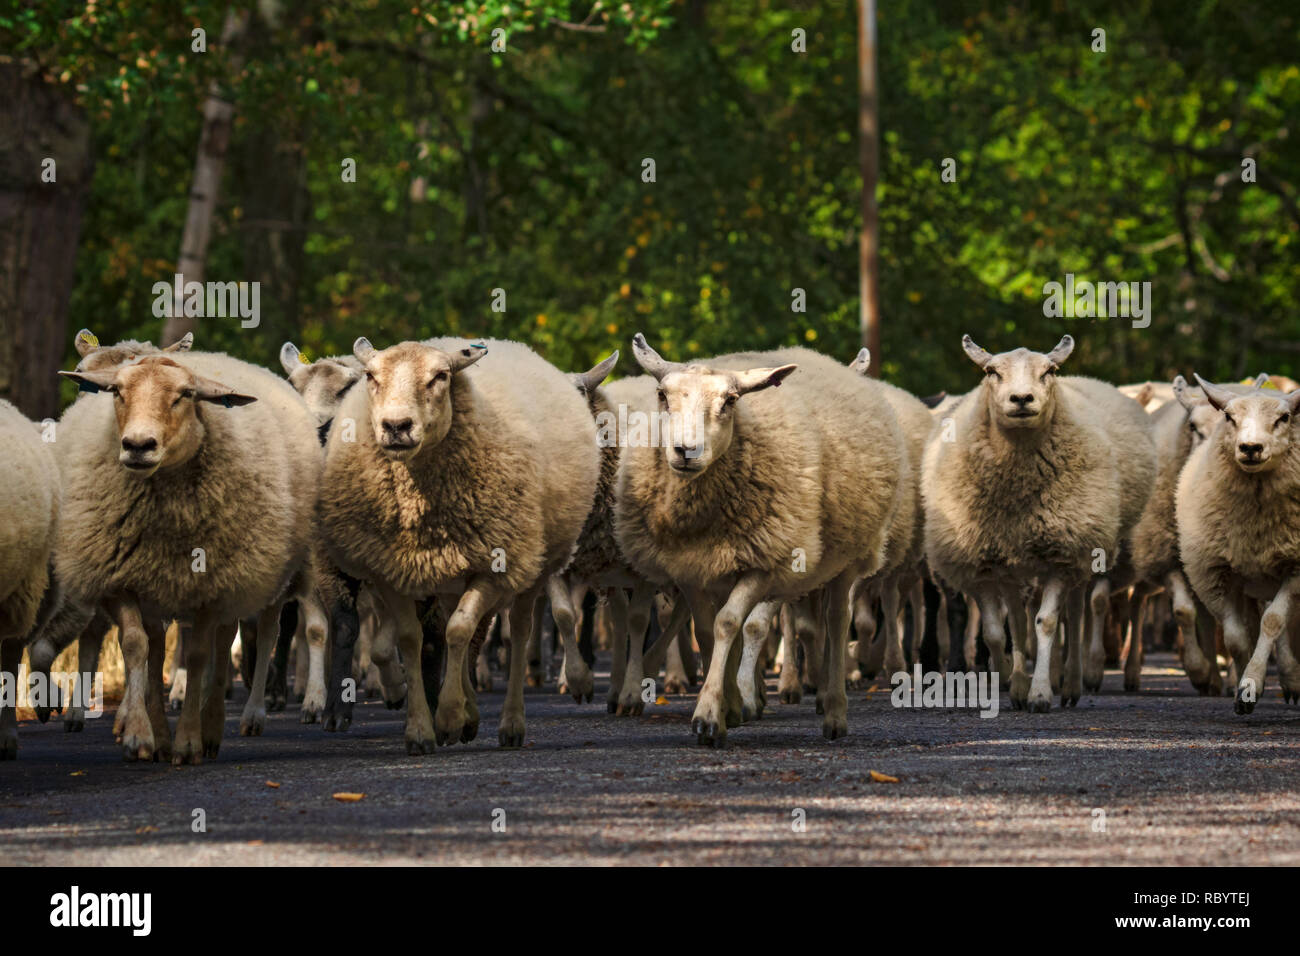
point(1039, 705)
point(1091, 685)
point(1132, 684)
point(1291, 696)
point(43, 714)
point(309, 715)
point(1241, 705)
point(611, 706)
point(791, 695)
point(397, 704)
point(9, 745)
point(187, 754)
point(418, 746)
point(707, 732)
point(211, 748)
point(175, 703)
point(1069, 700)
point(74, 722)
point(275, 702)
point(510, 738)
point(675, 685)
point(834, 728)
point(252, 725)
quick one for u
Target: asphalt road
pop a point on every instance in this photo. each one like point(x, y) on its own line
point(1160, 777)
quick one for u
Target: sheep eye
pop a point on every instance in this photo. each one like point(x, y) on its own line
point(1231, 420)
point(440, 377)
point(1286, 417)
point(663, 397)
point(729, 401)
point(993, 373)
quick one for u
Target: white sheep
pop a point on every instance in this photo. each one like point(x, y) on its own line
point(760, 495)
point(470, 479)
point(29, 514)
point(1238, 513)
point(181, 501)
point(1025, 487)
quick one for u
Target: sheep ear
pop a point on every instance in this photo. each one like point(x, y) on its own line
point(1217, 395)
point(85, 342)
point(363, 350)
point(207, 390)
point(1145, 393)
point(1261, 380)
point(757, 379)
point(862, 363)
point(464, 358)
point(649, 359)
point(592, 378)
point(289, 356)
point(1062, 350)
point(979, 356)
point(101, 381)
point(1292, 399)
point(184, 344)
point(1183, 392)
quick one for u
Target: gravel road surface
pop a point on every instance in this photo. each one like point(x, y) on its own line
point(1160, 777)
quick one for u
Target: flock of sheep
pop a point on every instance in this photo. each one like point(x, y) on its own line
point(413, 494)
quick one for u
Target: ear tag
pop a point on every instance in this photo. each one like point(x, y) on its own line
point(226, 401)
point(302, 357)
point(478, 345)
point(91, 339)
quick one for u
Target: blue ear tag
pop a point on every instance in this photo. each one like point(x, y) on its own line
point(478, 345)
point(84, 386)
point(225, 400)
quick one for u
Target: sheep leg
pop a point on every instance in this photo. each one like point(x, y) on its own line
point(891, 610)
point(972, 633)
point(1018, 622)
point(481, 598)
point(836, 609)
point(871, 645)
point(536, 676)
point(1275, 623)
point(89, 646)
point(617, 609)
point(789, 687)
point(180, 678)
point(995, 636)
point(1195, 663)
point(523, 611)
point(709, 717)
point(1046, 624)
point(315, 626)
point(253, 721)
point(916, 600)
point(302, 661)
point(753, 689)
point(942, 632)
point(577, 675)
point(1058, 654)
point(1094, 667)
point(1206, 635)
point(807, 629)
point(1136, 620)
point(137, 730)
point(393, 685)
point(212, 715)
point(11, 658)
point(1075, 624)
point(672, 616)
point(188, 746)
point(631, 701)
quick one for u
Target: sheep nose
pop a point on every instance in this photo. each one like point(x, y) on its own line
point(1250, 450)
point(397, 427)
point(1022, 400)
point(687, 451)
point(138, 445)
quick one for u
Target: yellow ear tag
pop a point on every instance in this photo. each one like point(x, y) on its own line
point(302, 357)
point(91, 339)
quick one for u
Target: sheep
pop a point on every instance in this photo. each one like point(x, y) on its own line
point(473, 480)
point(182, 500)
point(905, 565)
point(760, 496)
point(1178, 426)
point(30, 503)
point(1237, 508)
point(1025, 486)
point(95, 357)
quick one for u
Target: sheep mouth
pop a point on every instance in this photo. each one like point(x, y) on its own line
point(1251, 463)
point(139, 466)
point(399, 448)
point(1023, 413)
point(688, 466)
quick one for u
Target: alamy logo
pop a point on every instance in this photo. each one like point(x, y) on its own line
point(1082, 299)
point(75, 909)
point(58, 689)
point(638, 429)
point(933, 689)
point(209, 300)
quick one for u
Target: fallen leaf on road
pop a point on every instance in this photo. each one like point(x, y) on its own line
point(661, 700)
point(273, 785)
point(879, 777)
point(147, 829)
point(77, 773)
point(349, 797)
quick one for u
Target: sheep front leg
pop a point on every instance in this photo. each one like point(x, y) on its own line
point(1018, 621)
point(1046, 623)
point(523, 611)
point(137, 730)
point(253, 721)
point(630, 702)
point(11, 658)
point(578, 680)
point(618, 610)
point(180, 677)
point(212, 720)
point(835, 722)
point(1275, 623)
point(995, 638)
point(753, 691)
point(890, 611)
point(1094, 667)
point(709, 722)
point(1195, 663)
point(344, 627)
point(188, 746)
point(789, 687)
point(1072, 685)
point(315, 626)
point(1136, 623)
point(480, 598)
point(870, 652)
point(672, 616)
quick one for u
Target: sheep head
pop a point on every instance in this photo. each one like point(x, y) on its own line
point(156, 401)
point(1257, 422)
point(699, 406)
point(862, 363)
point(323, 383)
point(95, 357)
point(1020, 386)
point(410, 393)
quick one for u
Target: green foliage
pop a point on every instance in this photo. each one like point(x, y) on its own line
point(521, 170)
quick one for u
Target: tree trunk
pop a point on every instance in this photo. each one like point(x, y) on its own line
point(40, 223)
point(869, 156)
point(218, 112)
